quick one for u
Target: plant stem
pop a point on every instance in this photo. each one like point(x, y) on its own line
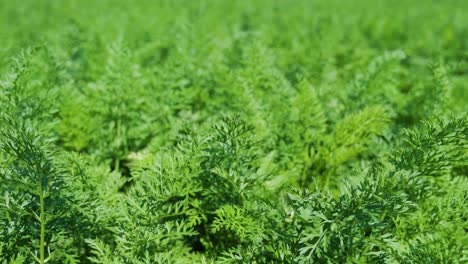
point(117, 161)
point(42, 220)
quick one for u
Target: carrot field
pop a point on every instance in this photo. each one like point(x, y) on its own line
point(222, 131)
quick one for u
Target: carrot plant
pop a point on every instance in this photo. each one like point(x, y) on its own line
point(286, 131)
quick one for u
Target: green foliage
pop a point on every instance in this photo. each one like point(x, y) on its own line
point(233, 131)
point(364, 224)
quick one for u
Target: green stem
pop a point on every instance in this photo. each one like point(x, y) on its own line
point(43, 222)
point(117, 161)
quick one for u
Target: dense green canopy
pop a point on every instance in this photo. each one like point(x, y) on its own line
point(246, 131)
